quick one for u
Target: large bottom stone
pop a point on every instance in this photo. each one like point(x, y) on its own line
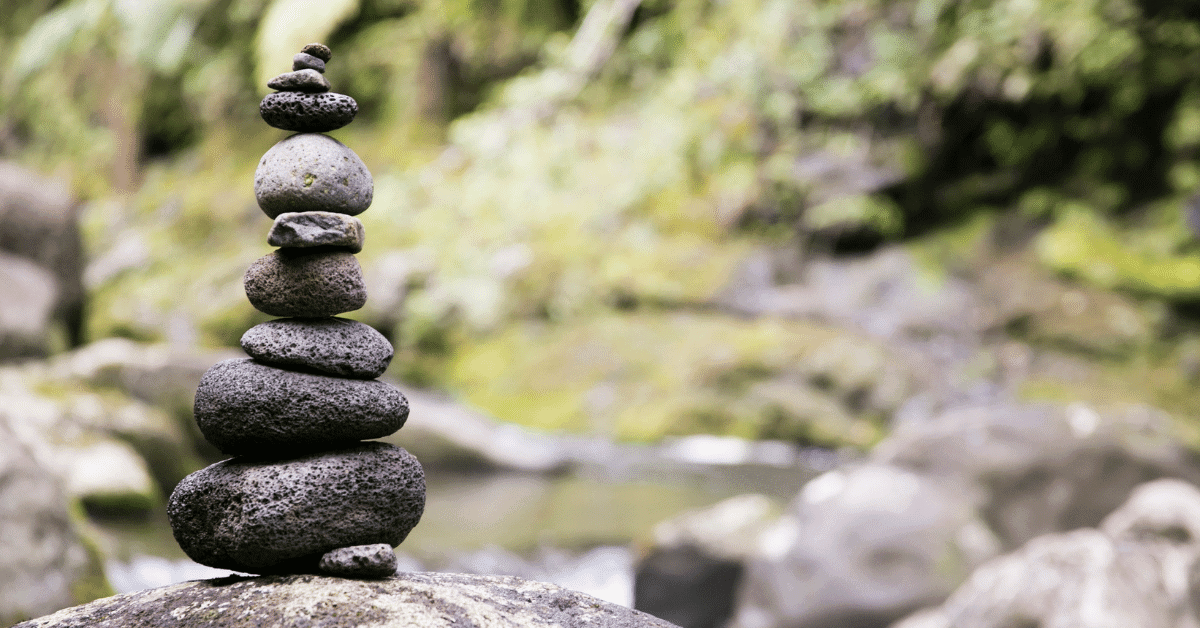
point(283, 516)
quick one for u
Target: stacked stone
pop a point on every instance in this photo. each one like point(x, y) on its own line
point(302, 493)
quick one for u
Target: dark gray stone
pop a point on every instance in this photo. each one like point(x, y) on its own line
point(305, 61)
point(309, 81)
point(305, 285)
point(312, 172)
point(332, 345)
point(320, 51)
point(243, 407)
point(283, 516)
point(414, 600)
point(307, 113)
point(309, 229)
point(360, 561)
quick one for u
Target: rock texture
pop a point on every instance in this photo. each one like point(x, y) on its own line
point(312, 172)
point(309, 229)
point(307, 113)
point(416, 600)
point(360, 561)
point(332, 345)
point(306, 285)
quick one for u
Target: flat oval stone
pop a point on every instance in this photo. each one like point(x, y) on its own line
point(305, 61)
point(312, 172)
point(309, 229)
point(307, 285)
point(360, 561)
point(332, 345)
point(282, 517)
point(307, 113)
point(247, 408)
point(320, 51)
point(307, 80)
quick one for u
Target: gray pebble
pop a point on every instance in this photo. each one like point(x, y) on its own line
point(309, 81)
point(307, 113)
point(312, 172)
point(331, 345)
point(283, 516)
point(360, 561)
point(309, 229)
point(290, 282)
point(305, 61)
point(320, 51)
point(247, 408)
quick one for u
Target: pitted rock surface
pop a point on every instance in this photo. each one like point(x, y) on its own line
point(307, 80)
point(360, 561)
point(309, 229)
point(312, 172)
point(337, 346)
point(307, 285)
point(283, 516)
point(246, 408)
point(413, 600)
point(305, 61)
point(307, 113)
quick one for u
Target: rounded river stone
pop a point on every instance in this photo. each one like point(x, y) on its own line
point(307, 113)
point(284, 516)
point(310, 229)
point(247, 408)
point(360, 561)
point(290, 282)
point(312, 172)
point(320, 51)
point(337, 346)
point(307, 80)
point(305, 61)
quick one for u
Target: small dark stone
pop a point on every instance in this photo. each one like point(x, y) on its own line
point(283, 516)
point(309, 81)
point(360, 561)
point(320, 51)
point(315, 285)
point(305, 61)
point(247, 408)
point(307, 113)
point(312, 229)
point(333, 345)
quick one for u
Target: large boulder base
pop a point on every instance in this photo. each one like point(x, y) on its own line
point(411, 600)
point(283, 516)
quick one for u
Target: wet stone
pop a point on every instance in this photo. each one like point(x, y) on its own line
point(305, 61)
point(320, 51)
point(360, 561)
point(307, 113)
point(310, 229)
point(312, 172)
point(284, 516)
point(247, 408)
point(309, 81)
point(290, 282)
point(336, 346)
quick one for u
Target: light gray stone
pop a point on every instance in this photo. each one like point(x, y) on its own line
point(307, 113)
point(309, 229)
point(410, 600)
point(243, 407)
point(332, 345)
point(307, 80)
point(360, 561)
point(307, 285)
point(312, 172)
point(305, 61)
point(283, 516)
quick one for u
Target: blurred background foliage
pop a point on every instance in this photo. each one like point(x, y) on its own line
point(561, 183)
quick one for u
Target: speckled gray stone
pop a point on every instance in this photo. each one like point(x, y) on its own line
point(305, 61)
point(309, 81)
point(320, 51)
point(307, 113)
point(309, 229)
point(291, 282)
point(360, 561)
point(283, 516)
point(246, 408)
point(332, 345)
point(312, 172)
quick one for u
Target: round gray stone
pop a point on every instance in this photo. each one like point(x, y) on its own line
point(282, 517)
point(305, 61)
point(246, 408)
point(307, 285)
point(307, 113)
point(309, 229)
point(307, 80)
point(332, 345)
point(320, 51)
point(360, 561)
point(312, 172)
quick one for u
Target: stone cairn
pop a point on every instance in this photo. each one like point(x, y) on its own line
point(302, 493)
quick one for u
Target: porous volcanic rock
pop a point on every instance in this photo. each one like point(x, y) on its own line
point(243, 407)
point(307, 285)
point(283, 516)
point(307, 113)
point(312, 172)
point(311, 229)
point(332, 345)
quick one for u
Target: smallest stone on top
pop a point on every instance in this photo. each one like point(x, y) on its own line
point(304, 102)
